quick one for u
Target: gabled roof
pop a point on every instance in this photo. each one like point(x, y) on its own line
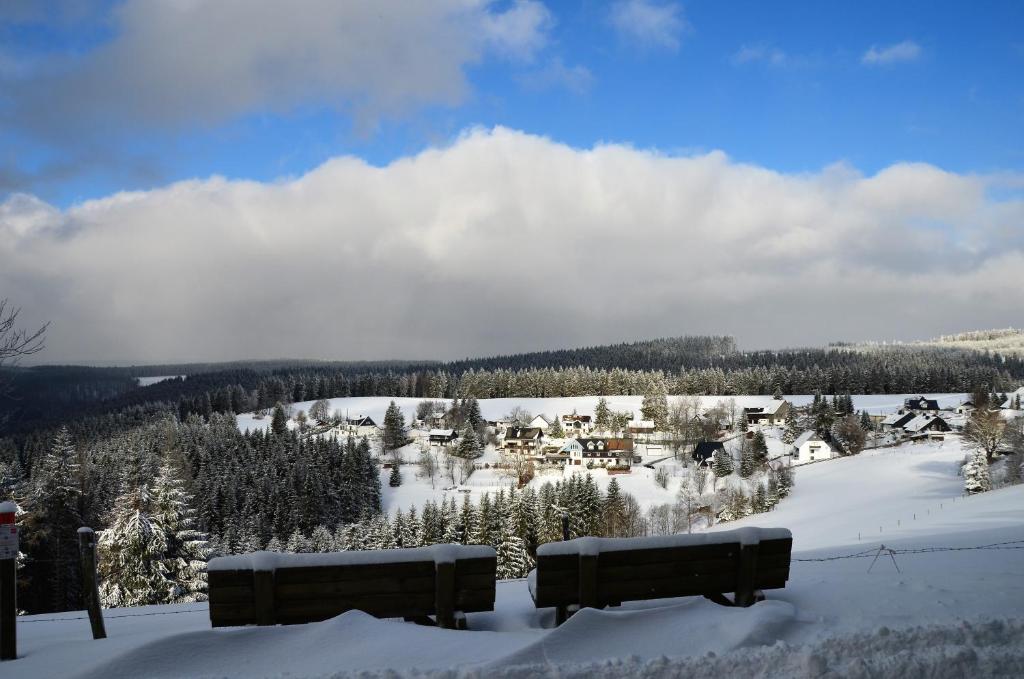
point(641, 424)
point(922, 422)
point(899, 419)
point(362, 421)
point(706, 449)
point(922, 403)
point(576, 418)
point(810, 435)
point(523, 433)
point(443, 433)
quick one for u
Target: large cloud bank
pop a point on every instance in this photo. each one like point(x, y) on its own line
point(504, 241)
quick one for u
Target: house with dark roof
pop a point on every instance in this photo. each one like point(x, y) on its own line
point(601, 451)
point(897, 420)
point(442, 437)
point(523, 439)
point(704, 453)
point(921, 404)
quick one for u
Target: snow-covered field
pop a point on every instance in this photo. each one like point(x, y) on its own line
point(950, 613)
point(146, 381)
point(495, 408)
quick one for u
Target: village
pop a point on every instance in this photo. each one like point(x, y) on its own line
point(690, 431)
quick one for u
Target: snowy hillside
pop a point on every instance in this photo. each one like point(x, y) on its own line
point(929, 616)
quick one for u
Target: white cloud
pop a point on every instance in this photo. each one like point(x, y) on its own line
point(521, 31)
point(649, 24)
point(556, 74)
point(908, 50)
point(205, 61)
point(760, 52)
point(473, 248)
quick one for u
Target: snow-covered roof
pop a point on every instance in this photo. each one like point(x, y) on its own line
point(919, 423)
point(641, 424)
point(809, 435)
point(590, 545)
point(447, 433)
point(269, 561)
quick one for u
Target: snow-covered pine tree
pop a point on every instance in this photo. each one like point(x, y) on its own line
point(395, 479)
point(772, 493)
point(759, 501)
point(395, 435)
point(279, 421)
point(449, 522)
point(602, 414)
point(274, 545)
point(976, 474)
point(655, 404)
point(51, 542)
point(132, 570)
point(792, 430)
point(186, 551)
point(513, 559)
point(298, 543)
point(746, 458)
point(469, 522)
point(321, 540)
point(613, 511)
point(722, 465)
point(469, 443)
point(412, 530)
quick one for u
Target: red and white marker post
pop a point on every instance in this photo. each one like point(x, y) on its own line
point(8, 581)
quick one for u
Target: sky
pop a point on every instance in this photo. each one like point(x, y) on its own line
point(211, 180)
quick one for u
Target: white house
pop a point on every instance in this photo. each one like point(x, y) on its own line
point(811, 447)
point(577, 425)
point(361, 425)
point(539, 422)
point(442, 437)
point(599, 451)
point(641, 429)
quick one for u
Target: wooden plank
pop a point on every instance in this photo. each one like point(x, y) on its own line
point(263, 597)
point(588, 580)
point(471, 601)
point(231, 595)
point(224, 615)
point(664, 588)
point(667, 569)
point(485, 565)
point(547, 578)
point(696, 553)
point(784, 546)
point(746, 580)
point(555, 597)
point(229, 578)
point(474, 580)
point(384, 607)
point(444, 595)
point(312, 590)
point(772, 579)
point(412, 569)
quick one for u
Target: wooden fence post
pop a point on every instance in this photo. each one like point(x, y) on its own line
point(90, 581)
point(8, 582)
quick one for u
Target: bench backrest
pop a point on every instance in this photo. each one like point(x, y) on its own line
point(632, 569)
point(267, 588)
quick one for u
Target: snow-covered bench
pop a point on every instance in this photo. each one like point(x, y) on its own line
point(599, 572)
point(267, 588)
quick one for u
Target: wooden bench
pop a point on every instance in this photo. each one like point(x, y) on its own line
point(599, 572)
point(267, 588)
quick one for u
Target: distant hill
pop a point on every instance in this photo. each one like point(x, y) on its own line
point(1008, 341)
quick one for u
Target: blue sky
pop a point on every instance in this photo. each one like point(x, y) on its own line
point(783, 85)
point(223, 179)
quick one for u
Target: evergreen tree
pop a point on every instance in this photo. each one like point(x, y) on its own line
point(279, 421)
point(759, 450)
point(186, 549)
point(54, 516)
point(722, 465)
point(132, 569)
point(792, 430)
point(298, 543)
point(395, 480)
point(655, 403)
point(555, 430)
point(976, 474)
point(321, 540)
point(747, 463)
point(602, 414)
point(469, 446)
point(614, 511)
point(395, 434)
